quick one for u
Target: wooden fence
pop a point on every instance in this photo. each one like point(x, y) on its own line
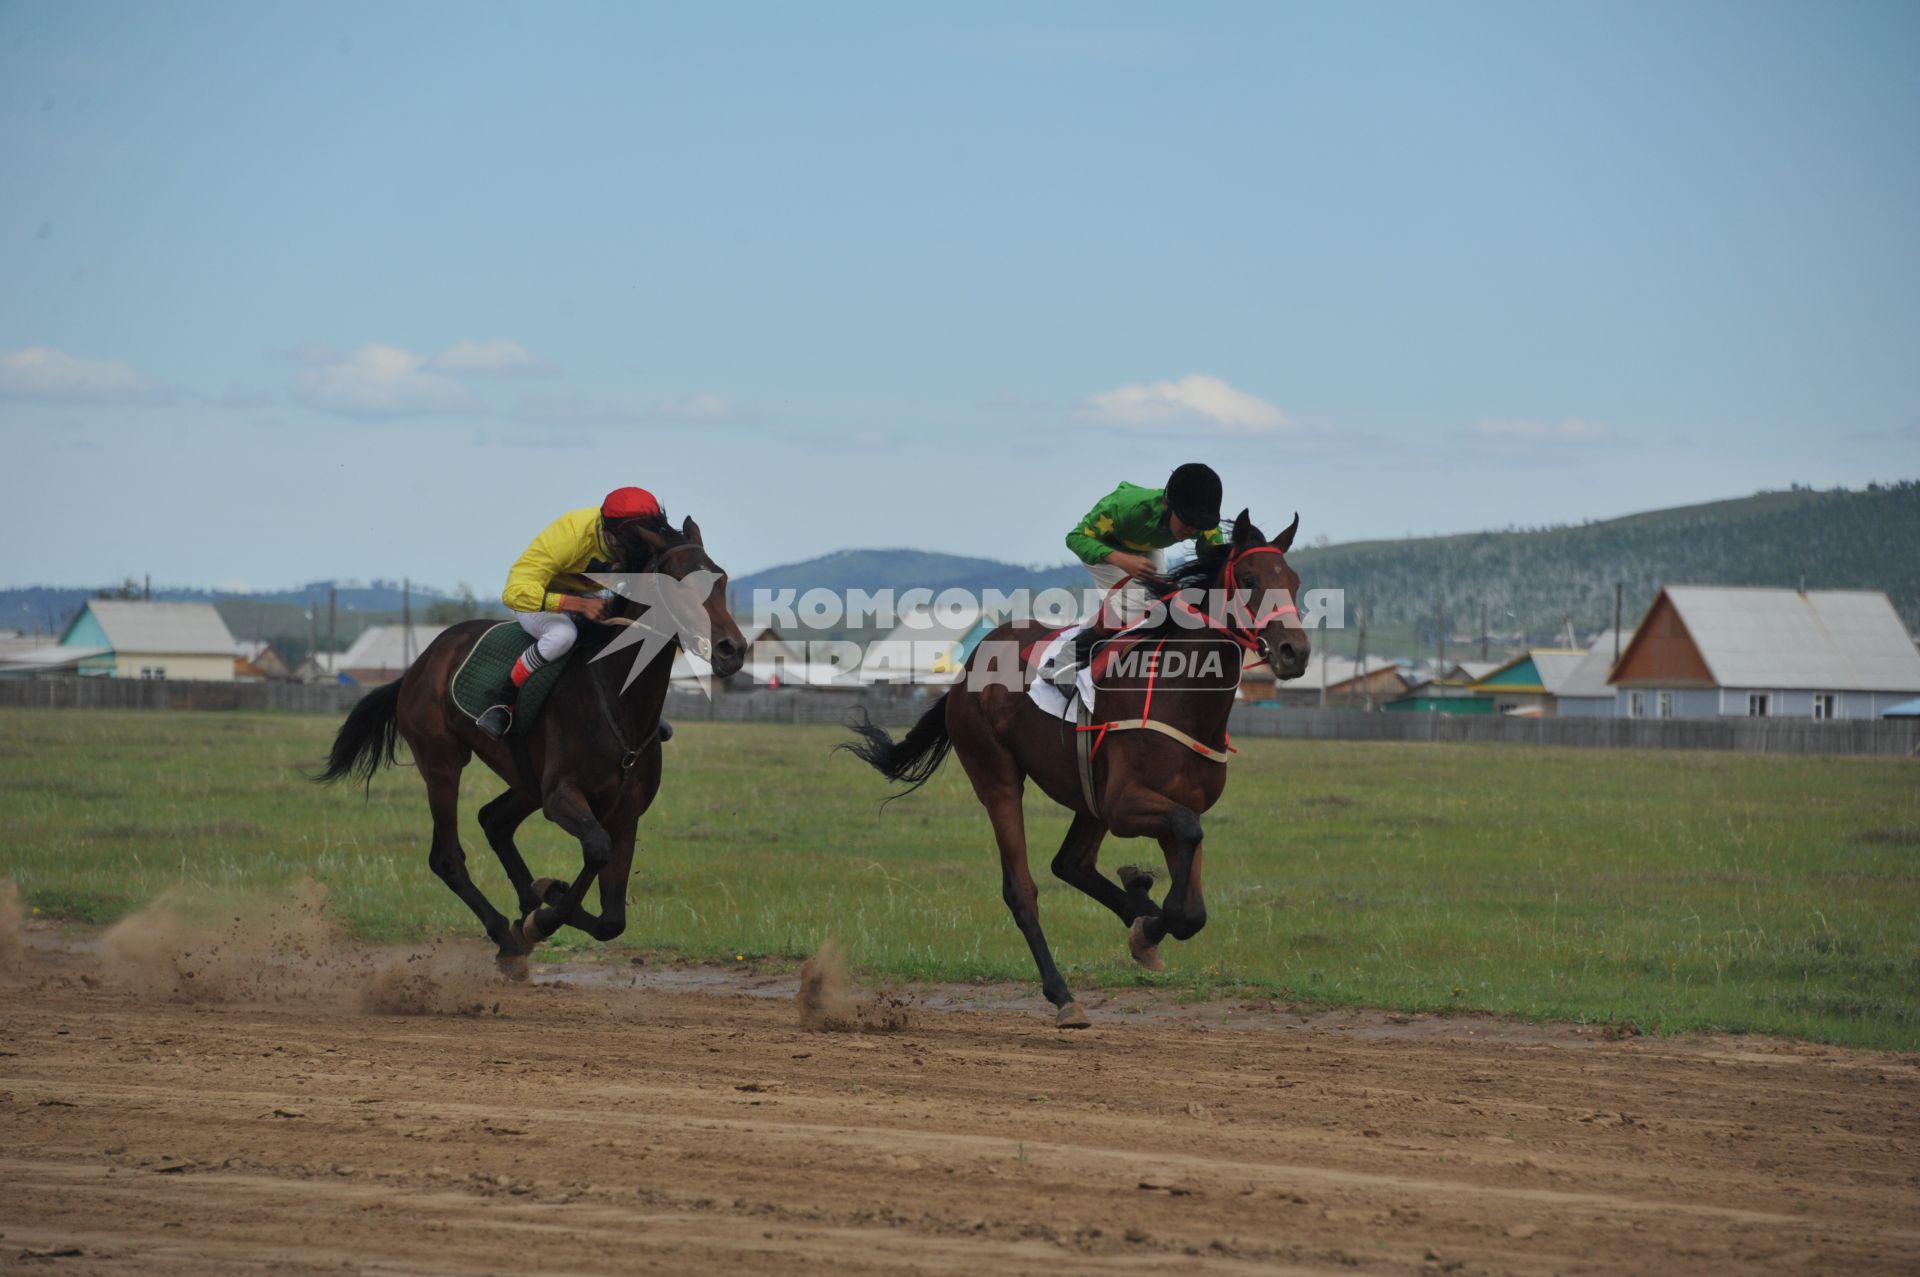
point(899, 706)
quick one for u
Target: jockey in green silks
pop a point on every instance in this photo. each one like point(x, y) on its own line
point(1121, 538)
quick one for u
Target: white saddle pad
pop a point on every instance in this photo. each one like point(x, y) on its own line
point(1051, 700)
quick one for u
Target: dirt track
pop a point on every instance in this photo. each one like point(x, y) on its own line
point(582, 1128)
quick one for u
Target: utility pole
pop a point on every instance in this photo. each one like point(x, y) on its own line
point(1360, 660)
point(1483, 631)
point(406, 622)
point(1619, 590)
point(333, 598)
point(313, 630)
point(1441, 663)
point(146, 591)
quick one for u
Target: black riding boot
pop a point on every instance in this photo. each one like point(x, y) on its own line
point(497, 719)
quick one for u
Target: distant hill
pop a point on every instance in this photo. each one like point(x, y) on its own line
point(1535, 580)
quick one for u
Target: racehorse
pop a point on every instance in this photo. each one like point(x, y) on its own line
point(591, 761)
point(1152, 783)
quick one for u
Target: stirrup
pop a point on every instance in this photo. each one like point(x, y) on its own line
point(496, 721)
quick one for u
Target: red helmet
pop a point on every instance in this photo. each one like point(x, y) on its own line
point(630, 503)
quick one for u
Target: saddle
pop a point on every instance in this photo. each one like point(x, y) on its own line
point(482, 675)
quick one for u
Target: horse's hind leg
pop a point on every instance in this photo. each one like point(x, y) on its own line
point(498, 820)
point(1074, 865)
point(448, 860)
point(999, 792)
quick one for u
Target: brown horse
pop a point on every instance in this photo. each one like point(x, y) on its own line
point(1145, 782)
point(591, 762)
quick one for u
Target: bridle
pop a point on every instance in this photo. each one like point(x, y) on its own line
point(630, 753)
point(1248, 637)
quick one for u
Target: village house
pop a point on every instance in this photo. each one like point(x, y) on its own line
point(1754, 652)
point(134, 638)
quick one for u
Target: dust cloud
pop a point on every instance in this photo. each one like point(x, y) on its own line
point(826, 1006)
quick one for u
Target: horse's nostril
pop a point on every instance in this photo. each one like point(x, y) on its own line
point(1289, 654)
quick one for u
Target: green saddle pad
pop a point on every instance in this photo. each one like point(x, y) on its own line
point(480, 679)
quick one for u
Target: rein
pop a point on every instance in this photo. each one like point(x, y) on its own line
point(1248, 640)
point(630, 754)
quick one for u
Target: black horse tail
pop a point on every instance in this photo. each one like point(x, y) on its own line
point(368, 737)
point(912, 759)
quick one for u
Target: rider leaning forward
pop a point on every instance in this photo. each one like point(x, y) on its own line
point(548, 588)
point(1121, 538)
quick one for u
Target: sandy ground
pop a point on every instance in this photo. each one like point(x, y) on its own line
point(411, 1113)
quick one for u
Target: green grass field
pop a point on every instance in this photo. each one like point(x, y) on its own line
point(1671, 891)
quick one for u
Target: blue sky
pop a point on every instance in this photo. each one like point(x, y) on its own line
point(376, 290)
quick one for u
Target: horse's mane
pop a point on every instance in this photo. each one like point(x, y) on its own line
point(594, 637)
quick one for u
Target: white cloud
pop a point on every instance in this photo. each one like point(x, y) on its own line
point(1570, 431)
point(498, 358)
point(1194, 404)
point(379, 381)
point(52, 376)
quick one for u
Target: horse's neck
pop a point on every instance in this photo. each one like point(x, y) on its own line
point(638, 708)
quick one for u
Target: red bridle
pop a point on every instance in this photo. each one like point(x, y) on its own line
point(1249, 638)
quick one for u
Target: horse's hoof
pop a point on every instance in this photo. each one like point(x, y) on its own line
point(1132, 876)
point(514, 966)
point(547, 891)
point(1147, 955)
point(527, 932)
point(1071, 1016)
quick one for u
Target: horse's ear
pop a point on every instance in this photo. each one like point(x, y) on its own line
point(691, 531)
point(1243, 528)
point(1284, 541)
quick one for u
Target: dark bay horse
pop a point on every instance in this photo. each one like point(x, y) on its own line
point(1145, 782)
point(591, 762)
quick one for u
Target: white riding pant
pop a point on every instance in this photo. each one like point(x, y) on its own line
point(1122, 607)
point(553, 633)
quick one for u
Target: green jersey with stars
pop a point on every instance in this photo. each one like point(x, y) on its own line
point(1128, 518)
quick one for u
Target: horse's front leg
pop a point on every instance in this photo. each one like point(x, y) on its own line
point(568, 808)
point(612, 918)
point(1144, 813)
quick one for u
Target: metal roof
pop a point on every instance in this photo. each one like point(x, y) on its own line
point(1824, 640)
point(185, 629)
point(1553, 666)
point(1332, 671)
point(1589, 677)
point(383, 647)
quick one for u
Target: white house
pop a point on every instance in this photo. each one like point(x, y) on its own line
point(135, 638)
point(1743, 651)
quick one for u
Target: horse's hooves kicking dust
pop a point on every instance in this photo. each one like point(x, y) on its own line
point(1147, 955)
point(827, 1007)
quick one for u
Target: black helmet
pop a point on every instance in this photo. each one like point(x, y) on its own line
point(1193, 493)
